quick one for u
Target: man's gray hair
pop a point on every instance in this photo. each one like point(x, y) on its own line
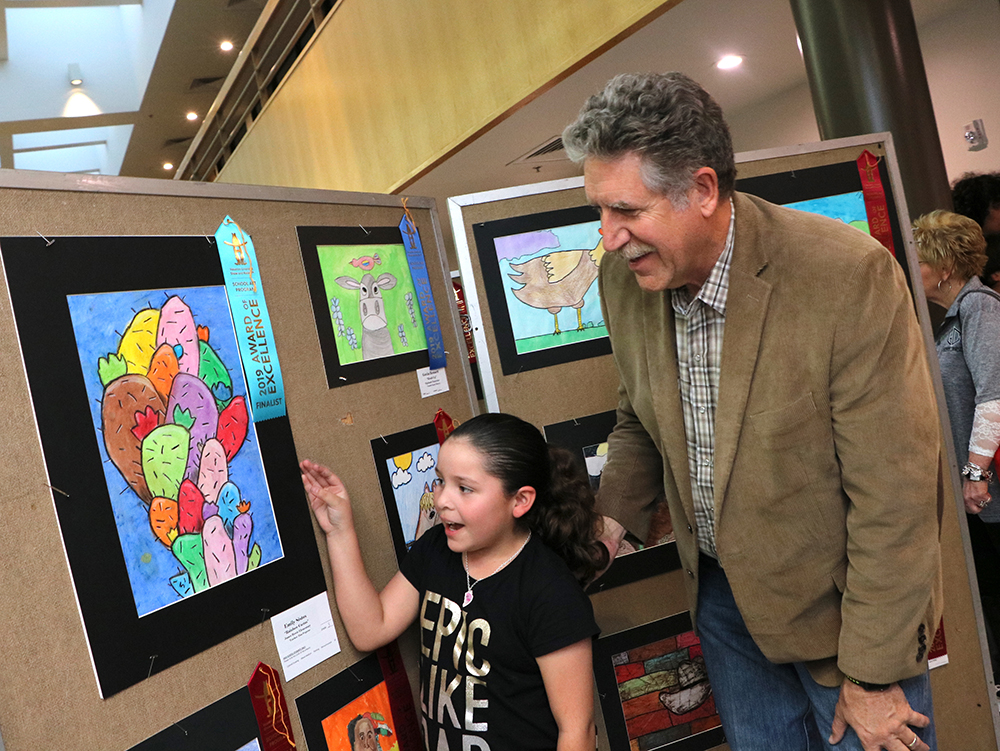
point(668, 120)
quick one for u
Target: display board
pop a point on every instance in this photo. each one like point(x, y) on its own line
point(44, 640)
point(824, 178)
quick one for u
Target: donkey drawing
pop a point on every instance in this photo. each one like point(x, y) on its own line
point(376, 341)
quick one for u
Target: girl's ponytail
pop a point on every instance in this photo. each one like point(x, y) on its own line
point(567, 521)
point(563, 514)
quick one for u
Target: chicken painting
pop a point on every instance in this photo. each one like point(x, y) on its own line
point(558, 280)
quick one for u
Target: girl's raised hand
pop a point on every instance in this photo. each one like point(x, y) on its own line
point(327, 497)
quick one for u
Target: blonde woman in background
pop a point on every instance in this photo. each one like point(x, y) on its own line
point(951, 252)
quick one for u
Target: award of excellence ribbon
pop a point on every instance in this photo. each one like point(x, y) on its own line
point(252, 322)
point(418, 271)
point(875, 204)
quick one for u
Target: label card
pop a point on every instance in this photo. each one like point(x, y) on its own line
point(305, 635)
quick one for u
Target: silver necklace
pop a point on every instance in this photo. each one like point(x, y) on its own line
point(469, 584)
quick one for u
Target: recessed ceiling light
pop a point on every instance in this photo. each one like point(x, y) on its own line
point(168, 165)
point(192, 116)
point(226, 46)
point(729, 62)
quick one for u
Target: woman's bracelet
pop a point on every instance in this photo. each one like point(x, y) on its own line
point(975, 473)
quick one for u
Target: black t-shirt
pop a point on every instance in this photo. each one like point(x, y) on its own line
point(480, 686)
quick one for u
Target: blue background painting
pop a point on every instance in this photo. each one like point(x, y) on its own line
point(408, 485)
point(98, 321)
point(847, 207)
point(526, 321)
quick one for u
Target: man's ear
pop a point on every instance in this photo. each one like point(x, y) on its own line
point(705, 190)
point(524, 499)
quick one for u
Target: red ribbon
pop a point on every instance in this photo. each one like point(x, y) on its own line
point(444, 425)
point(404, 714)
point(463, 316)
point(876, 206)
point(271, 710)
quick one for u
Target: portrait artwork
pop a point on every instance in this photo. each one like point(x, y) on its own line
point(365, 724)
point(366, 707)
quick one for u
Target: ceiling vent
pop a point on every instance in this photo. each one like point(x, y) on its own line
point(176, 141)
point(236, 3)
point(201, 83)
point(551, 150)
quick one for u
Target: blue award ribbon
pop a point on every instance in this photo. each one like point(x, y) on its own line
point(418, 271)
point(266, 393)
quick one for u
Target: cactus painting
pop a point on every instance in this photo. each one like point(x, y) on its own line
point(184, 472)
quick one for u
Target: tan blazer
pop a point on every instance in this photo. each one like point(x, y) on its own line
point(826, 444)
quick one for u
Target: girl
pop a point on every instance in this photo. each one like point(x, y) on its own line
point(505, 628)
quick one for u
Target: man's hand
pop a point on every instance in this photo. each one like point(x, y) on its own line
point(880, 718)
point(612, 535)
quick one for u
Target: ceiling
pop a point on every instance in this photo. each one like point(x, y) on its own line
point(691, 37)
point(146, 63)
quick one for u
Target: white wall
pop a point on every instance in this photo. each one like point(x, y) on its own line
point(962, 57)
point(145, 26)
point(785, 119)
point(114, 46)
point(42, 44)
point(961, 52)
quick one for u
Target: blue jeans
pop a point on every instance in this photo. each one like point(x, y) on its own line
point(765, 706)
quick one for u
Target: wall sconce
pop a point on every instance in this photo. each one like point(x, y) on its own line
point(75, 76)
point(975, 136)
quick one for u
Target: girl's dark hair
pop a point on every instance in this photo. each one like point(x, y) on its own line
point(563, 513)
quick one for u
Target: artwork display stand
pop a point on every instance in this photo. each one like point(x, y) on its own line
point(56, 498)
point(571, 390)
point(44, 641)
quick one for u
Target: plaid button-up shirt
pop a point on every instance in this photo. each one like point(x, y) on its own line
point(699, 326)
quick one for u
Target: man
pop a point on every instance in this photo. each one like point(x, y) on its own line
point(978, 197)
point(774, 385)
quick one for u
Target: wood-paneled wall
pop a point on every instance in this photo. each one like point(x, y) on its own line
point(388, 89)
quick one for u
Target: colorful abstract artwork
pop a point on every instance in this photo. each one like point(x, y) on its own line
point(365, 301)
point(146, 319)
point(654, 688)
point(184, 472)
point(366, 707)
point(547, 273)
point(406, 464)
point(540, 279)
point(849, 208)
point(372, 299)
point(365, 724)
